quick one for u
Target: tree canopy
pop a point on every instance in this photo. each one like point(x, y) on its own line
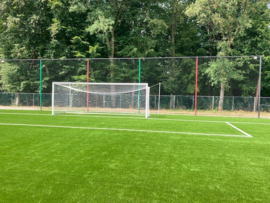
point(130, 28)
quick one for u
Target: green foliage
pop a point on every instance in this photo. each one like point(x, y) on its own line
point(101, 25)
point(24, 31)
point(222, 70)
point(81, 78)
point(79, 45)
point(19, 76)
point(176, 79)
point(157, 27)
point(131, 28)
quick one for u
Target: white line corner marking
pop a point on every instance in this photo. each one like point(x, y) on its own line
point(248, 135)
point(132, 130)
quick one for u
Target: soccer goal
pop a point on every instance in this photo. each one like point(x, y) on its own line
point(106, 98)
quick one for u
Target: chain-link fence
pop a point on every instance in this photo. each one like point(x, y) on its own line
point(207, 105)
point(225, 85)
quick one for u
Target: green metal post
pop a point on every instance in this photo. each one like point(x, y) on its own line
point(139, 92)
point(40, 87)
point(139, 70)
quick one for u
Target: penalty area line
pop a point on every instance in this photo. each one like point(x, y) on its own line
point(119, 129)
point(248, 135)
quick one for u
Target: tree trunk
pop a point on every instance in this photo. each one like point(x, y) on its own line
point(221, 100)
point(112, 80)
point(173, 53)
point(257, 96)
point(17, 99)
point(47, 70)
point(171, 101)
point(173, 33)
point(111, 55)
point(110, 46)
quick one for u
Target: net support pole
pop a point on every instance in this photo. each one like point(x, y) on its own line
point(87, 96)
point(70, 97)
point(159, 87)
point(139, 81)
point(259, 95)
point(40, 85)
point(196, 85)
point(147, 102)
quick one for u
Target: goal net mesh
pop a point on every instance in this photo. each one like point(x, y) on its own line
point(117, 98)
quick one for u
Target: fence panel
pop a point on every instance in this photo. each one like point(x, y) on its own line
point(237, 77)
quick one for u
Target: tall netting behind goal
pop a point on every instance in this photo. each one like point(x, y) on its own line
point(106, 98)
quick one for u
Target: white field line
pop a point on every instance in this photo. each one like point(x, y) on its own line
point(138, 118)
point(118, 129)
point(142, 118)
point(248, 135)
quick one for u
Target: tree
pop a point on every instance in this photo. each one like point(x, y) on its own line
point(230, 20)
point(24, 32)
point(256, 41)
point(17, 76)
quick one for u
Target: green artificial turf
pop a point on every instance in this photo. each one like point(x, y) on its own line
point(57, 164)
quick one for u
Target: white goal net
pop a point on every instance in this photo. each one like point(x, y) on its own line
point(117, 98)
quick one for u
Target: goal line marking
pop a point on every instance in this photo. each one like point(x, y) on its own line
point(136, 118)
point(248, 135)
point(119, 129)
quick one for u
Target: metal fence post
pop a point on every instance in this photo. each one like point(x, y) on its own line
point(232, 103)
point(173, 102)
point(40, 87)
point(120, 101)
point(260, 75)
point(159, 87)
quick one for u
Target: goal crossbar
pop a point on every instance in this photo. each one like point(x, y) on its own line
point(97, 83)
point(93, 92)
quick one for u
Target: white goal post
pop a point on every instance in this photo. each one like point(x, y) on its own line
point(106, 98)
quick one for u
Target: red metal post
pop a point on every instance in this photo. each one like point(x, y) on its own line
point(87, 99)
point(196, 85)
